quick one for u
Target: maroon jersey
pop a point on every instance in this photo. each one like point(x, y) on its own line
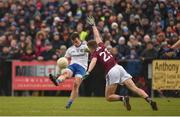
point(104, 56)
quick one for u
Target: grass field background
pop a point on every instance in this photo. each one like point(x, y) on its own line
point(48, 106)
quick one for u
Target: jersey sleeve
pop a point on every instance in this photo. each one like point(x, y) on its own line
point(94, 55)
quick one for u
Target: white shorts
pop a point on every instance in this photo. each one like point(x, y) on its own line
point(117, 74)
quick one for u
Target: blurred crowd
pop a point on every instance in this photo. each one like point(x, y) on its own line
point(131, 29)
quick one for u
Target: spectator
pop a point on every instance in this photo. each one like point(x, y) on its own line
point(28, 55)
point(115, 53)
point(57, 41)
point(150, 52)
point(5, 54)
point(135, 44)
point(14, 49)
point(32, 29)
point(178, 28)
point(133, 54)
point(39, 5)
point(48, 53)
point(39, 43)
point(165, 51)
point(122, 48)
point(62, 52)
point(161, 37)
point(2, 40)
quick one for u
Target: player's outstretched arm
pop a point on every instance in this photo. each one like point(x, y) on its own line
point(91, 21)
point(176, 45)
point(97, 35)
point(92, 65)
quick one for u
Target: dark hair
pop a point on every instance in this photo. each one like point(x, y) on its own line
point(74, 35)
point(150, 42)
point(92, 44)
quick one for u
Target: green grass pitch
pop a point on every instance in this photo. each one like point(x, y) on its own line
point(90, 106)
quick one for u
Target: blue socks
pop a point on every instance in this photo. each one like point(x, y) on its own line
point(69, 104)
point(59, 81)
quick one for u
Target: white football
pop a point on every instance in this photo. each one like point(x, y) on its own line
point(62, 62)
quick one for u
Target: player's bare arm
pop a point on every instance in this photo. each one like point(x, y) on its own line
point(176, 45)
point(92, 65)
point(91, 21)
point(97, 35)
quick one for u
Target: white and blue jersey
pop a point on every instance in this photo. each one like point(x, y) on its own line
point(79, 59)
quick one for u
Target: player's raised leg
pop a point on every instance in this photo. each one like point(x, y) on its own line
point(63, 71)
point(58, 79)
point(130, 84)
point(66, 73)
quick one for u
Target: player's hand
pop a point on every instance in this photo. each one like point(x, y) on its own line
point(90, 20)
point(86, 75)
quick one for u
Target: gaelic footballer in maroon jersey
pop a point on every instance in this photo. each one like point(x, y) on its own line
point(104, 56)
point(115, 74)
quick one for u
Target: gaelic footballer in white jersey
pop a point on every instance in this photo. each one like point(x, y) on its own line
point(78, 56)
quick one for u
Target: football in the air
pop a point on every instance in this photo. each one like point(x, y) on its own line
point(62, 62)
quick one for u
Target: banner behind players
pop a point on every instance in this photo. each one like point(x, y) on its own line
point(166, 74)
point(33, 75)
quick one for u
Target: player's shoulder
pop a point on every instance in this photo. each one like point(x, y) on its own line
point(84, 43)
point(101, 44)
point(100, 47)
point(71, 48)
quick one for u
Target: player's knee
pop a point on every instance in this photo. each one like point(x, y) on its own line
point(76, 85)
point(108, 99)
point(67, 74)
